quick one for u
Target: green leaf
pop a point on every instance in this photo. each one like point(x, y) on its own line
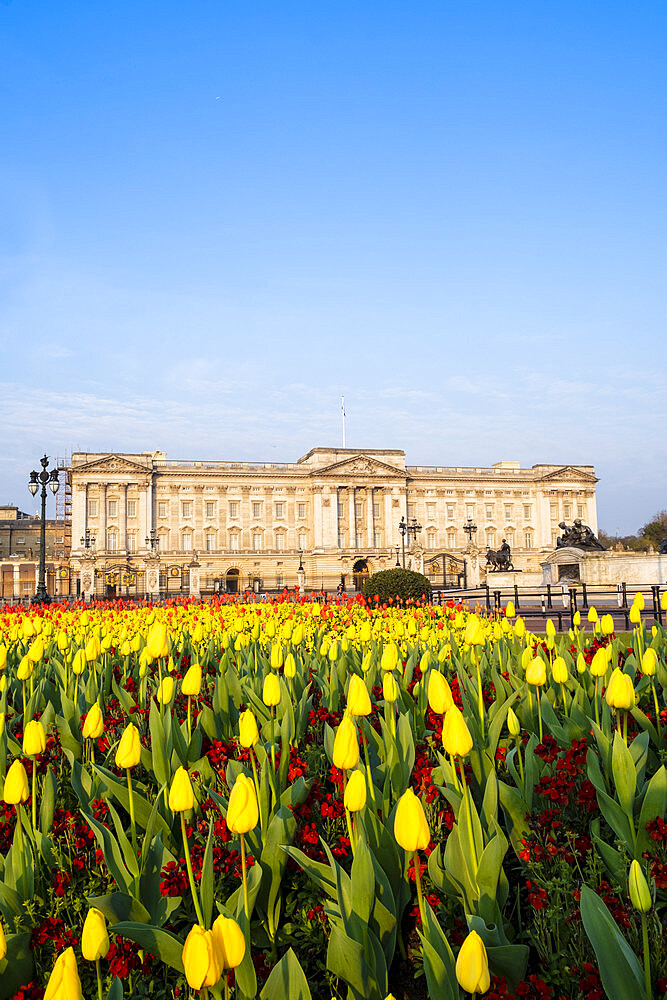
point(120, 906)
point(345, 958)
point(18, 967)
point(363, 883)
point(115, 991)
point(48, 803)
point(654, 805)
point(206, 883)
point(620, 972)
point(625, 776)
point(156, 941)
point(287, 981)
point(160, 757)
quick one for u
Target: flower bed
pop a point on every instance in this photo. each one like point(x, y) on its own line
point(295, 800)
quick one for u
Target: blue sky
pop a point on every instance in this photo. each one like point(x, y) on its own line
point(217, 217)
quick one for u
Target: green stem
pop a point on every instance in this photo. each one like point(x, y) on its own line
point(657, 710)
point(24, 878)
point(539, 712)
point(595, 696)
point(647, 960)
point(246, 904)
point(99, 979)
point(468, 814)
point(189, 720)
point(273, 741)
point(191, 877)
point(132, 819)
point(364, 743)
point(480, 697)
point(521, 771)
point(226, 986)
point(420, 895)
point(34, 794)
point(256, 780)
point(625, 728)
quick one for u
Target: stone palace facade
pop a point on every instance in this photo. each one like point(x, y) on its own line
point(144, 524)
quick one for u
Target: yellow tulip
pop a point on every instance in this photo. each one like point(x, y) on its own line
point(157, 644)
point(79, 661)
point(551, 628)
point(3, 656)
point(94, 938)
point(229, 940)
point(389, 657)
point(519, 628)
point(635, 614)
point(3, 943)
point(620, 693)
point(456, 738)
point(472, 965)
point(271, 691)
point(513, 724)
point(248, 732)
point(93, 649)
point(581, 664)
point(600, 662)
point(640, 894)
point(93, 727)
point(559, 670)
point(536, 672)
point(128, 752)
point(242, 811)
point(64, 982)
point(607, 625)
point(389, 688)
point(36, 651)
point(289, 668)
point(639, 600)
point(201, 959)
point(16, 784)
point(34, 738)
point(165, 690)
point(592, 614)
point(354, 798)
point(276, 656)
point(191, 683)
point(439, 693)
point(26, 667)
point(346, 745)
point(649, 662)
point(358, 699)
point(410, 827)
point(181, 796)
point(509, 610)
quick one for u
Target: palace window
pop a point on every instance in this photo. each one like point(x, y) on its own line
point(430, 511)
point(528, 537)
point(280, 509)
point(210, 541)
point(301, 510)
point(233, 508)
point(210, 508)
point(376, 510)
point(257, 508)
point(131, 508)
point(162, 508)
point(491, 538)
point(112, 541)
point(112, 508)
point(234, 541)
point(92, 508)
point(430, 539)
point(280, 541)
point(257, 542)
point(302, 540)
point(489, 511)
point(132, 542)
point(527, 511)
point(451, 539)
point(450, 510)
point(358, 508)
point(186, 508)
point(509, 511)
point(186, 542)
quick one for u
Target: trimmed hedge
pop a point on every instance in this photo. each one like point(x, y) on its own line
point(398, 584)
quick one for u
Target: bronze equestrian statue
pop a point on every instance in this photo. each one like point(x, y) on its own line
point(500, 560)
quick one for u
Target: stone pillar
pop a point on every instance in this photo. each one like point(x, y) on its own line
point(102, 542)
point(389, 527)
point(352, 495)
point(318, 539)
point(370, 522)
point(195, 569)
point(152, 577)
point(17, 580)
point(123, 518)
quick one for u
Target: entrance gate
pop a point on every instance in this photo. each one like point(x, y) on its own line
point(446, 570)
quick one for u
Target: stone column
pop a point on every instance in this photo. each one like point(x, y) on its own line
point(123, 518)
point(388, 522)
point(370, 520)
point(152, 577)
point(17, 580)
point(102, 542)
point(318, 539)
point(352, 496)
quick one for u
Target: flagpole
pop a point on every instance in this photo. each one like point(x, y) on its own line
point(342, 406)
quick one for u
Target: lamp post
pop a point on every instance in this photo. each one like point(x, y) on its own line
point(409, 528)
point(153, 540)
point(398, 562)
point(43, 477)
point(87, 540)
point(470, 528)
point(301, 569)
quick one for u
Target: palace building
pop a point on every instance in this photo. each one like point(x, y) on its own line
point(143, 524)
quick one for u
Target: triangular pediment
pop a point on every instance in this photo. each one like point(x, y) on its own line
point(111, 465)
point(570, 473)
point(359, 465)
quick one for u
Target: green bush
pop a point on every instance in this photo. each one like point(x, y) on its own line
point(398, 585)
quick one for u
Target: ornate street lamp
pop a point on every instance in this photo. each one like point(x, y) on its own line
point(88, 540)
point(470, 528)
point(410, 528)
point(43, 477)
point(398, 562)
point(301, 569)
point(153, 540)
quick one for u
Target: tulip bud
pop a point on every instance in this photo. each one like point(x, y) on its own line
point(551, 628)
point(592, 614)
point(3, 943)
point(242, 811)
point(271, 690)
point(576, 619)
point(389, 688)
point(519, 628)
point(93, 726)
point(600, 663)
point(639, 600)
point(509, 610)
point(165, 690)
point(201, 959)
point(635, 615)
point(358, 699)
point(640, 894)
point(26, 667)
point(34, 738)
point(346, 745)
point(128, 752)
point(389, 656)
point(157, 644)
point(229, 940)
point(365, 631)
point(649, 662)
point(581, 664)
point(64, 982)
point(181, 796)
point(93, 649)
point(536, 672)
point(474, 633)
point(79, 661)
point(354, 798)
point(607, 625)
point(620, 693)
point(513, 725)
point(472, 965)
point(456, 738)
point(276, 656)
point(410, 827)
point(3, 656)
point(559, 670)
point(248, 732)
point(191, 683)
point(439, 693)
point(36, 651)
point(94, 939)
point(16, 784)
point(289, 668)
